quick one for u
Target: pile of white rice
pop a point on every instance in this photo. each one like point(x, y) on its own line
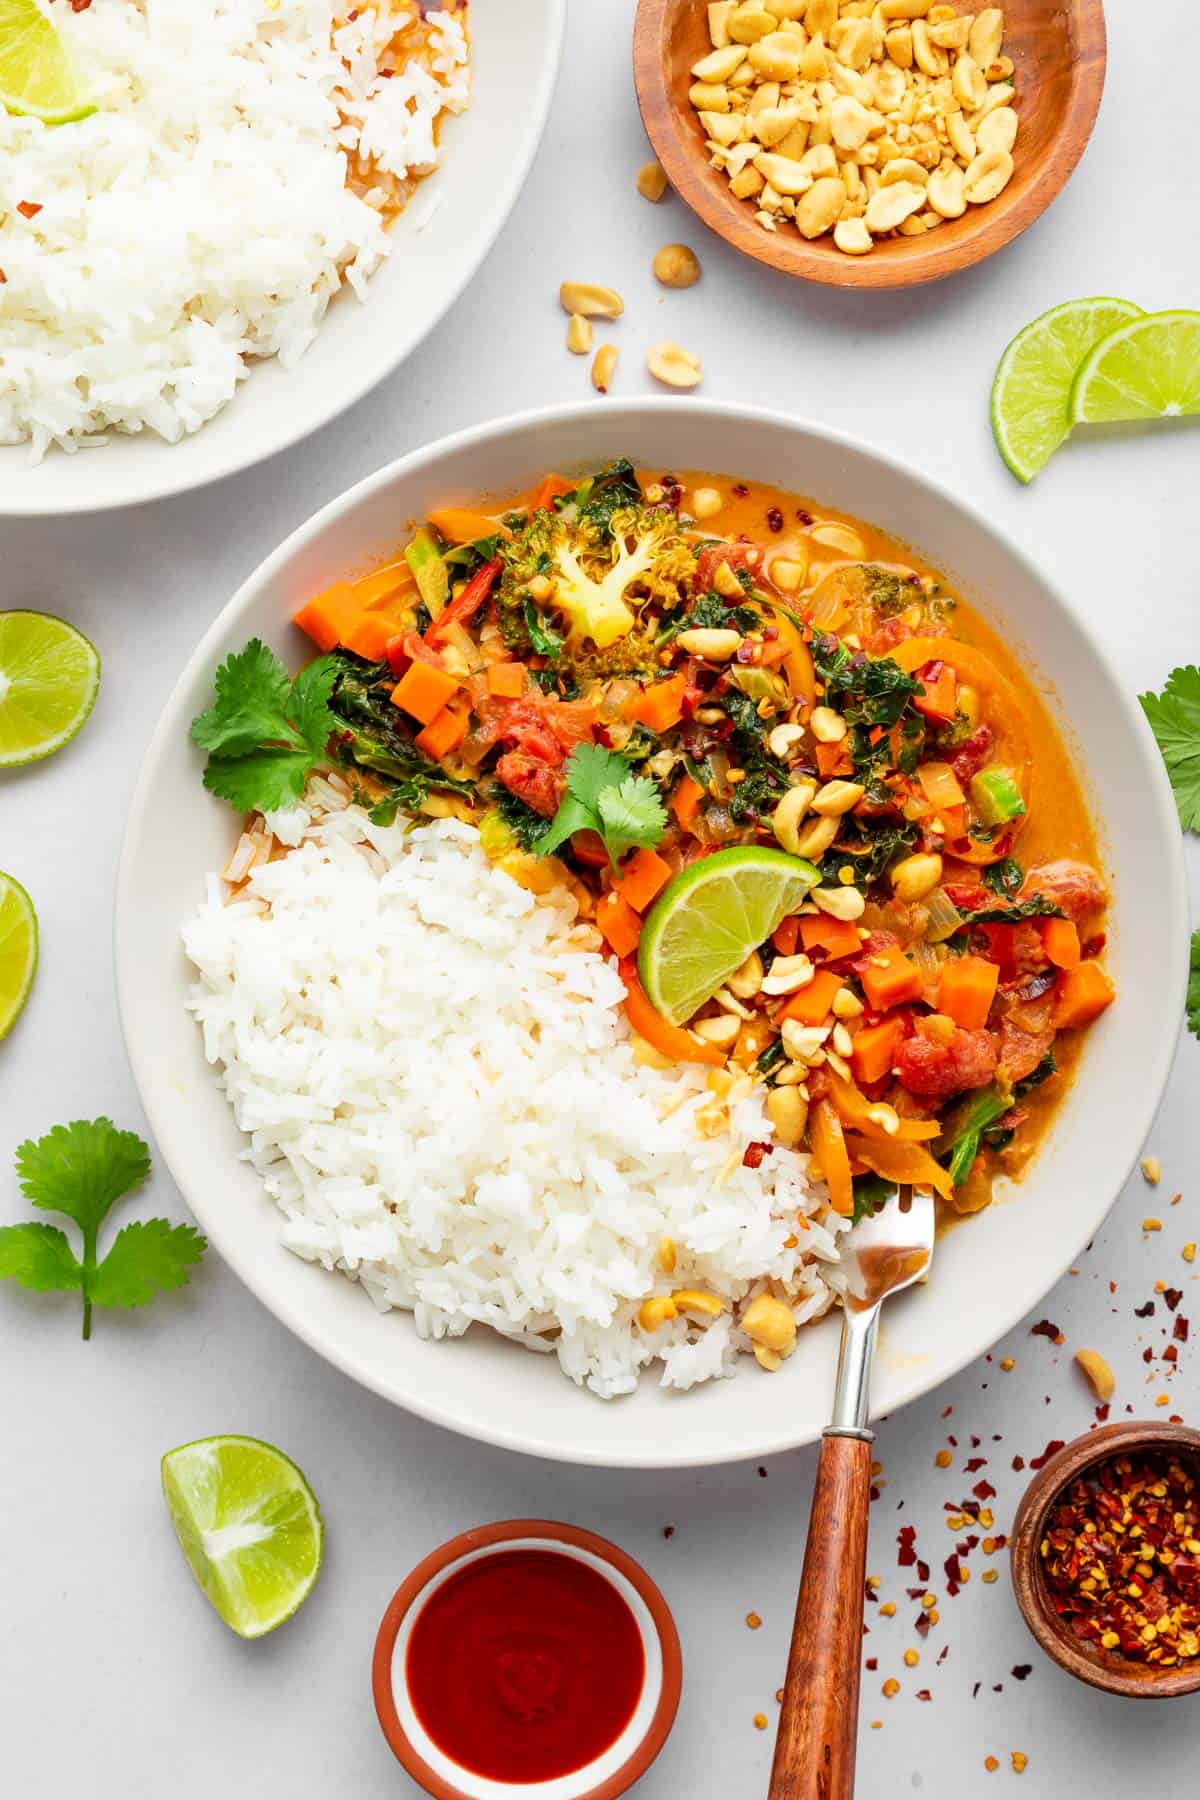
point(201, 216)
point(441, 1096)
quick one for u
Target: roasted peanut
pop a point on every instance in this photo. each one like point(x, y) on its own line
point(652, 181)
point(604, 365)
point(671, 364)
point(591, 301)
point(676, 266)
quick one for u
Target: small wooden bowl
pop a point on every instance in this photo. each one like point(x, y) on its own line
point(1060, 55)
point(1134, 1681)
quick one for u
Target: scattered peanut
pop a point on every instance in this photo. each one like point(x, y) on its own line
point(785, 820)
point(652, 181)
point(1097, 1372)
point(1151, 1170)
point(836, 798)
point(713, 643)
point(788, 975)
point(592, 301)
point(579, 334)
point(915, 877)
point(675, 266)
point(767, 1321)
point(827, 726)
point(672, 365)
point(604, 366)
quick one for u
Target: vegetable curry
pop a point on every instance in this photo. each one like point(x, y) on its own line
point(618, 675)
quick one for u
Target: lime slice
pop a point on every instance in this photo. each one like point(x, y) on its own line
point(249, 1525)
point(18, 950)
point(49, 679)
point(704, 925)
point(1031, 394)
point(37, 74)
point(1149, 369)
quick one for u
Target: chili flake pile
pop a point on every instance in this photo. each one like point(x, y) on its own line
point(1122, 1559)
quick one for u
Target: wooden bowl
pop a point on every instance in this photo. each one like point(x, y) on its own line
point(1114, 1674)
point(1059, 51)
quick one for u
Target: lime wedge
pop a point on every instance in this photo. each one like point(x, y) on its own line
point(49, 679)
point(37, 74)
point(704, 925)
point(18, 950)
point(1149, 369)
point(249, 1525)
point(1031, 395)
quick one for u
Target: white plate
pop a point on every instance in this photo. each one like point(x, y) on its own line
point(987, 1274)
point(438, 244)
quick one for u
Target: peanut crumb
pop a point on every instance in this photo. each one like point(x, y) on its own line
point(753, 1621)
point(1189, 1253)
point(943, 1459)
point(891, 1688)
point(1020, 1762)
point(1151, 1170)
point(888, 1609)
point(760, 1721)
point(1163, 1400)
point(990, 1575)
point(911, 1659)
point(991, 1764)
point(1008, 1364)
point(1151, 1224)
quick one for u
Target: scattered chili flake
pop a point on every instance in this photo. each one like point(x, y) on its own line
point(1180, 1332)
point(872, 1663)
point(906, 1538)
point(1018, 1463)
point(803, 514)
point(922, 1624)
point(983, 1490)
point(754, 1153)
point(28, 209)
point(668, 1531)
point(1172, 1296)
point(1044, 1328)
point(1144, 1312)
point(973, 1463)
point(1052, 1449)
point(1022, 1671)
point(1122, 1558)
point(3, 278)
point(924, 1694)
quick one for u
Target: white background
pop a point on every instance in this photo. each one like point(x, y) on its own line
point(115, 1679)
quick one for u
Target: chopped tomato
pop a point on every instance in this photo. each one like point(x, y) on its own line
point(1072, 885)
point(531, 780)
point(710, 560)
point(937, 1070)
point(970, 757)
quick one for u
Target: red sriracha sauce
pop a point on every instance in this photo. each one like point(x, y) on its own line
point(525, 1666)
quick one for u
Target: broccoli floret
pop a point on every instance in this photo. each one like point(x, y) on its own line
point(594, 571)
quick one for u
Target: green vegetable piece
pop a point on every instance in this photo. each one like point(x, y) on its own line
point(996, 796)
point(1193, 987)
point(602, 796)
point(81, 1170)
point(265, 733)
point(962, 1140)
point(1174, 717)
point(424, 558)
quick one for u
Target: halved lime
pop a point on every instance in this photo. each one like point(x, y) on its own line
point(1149, 369)
point(18, 950)
point(1031, 394)
point(49, 679)
point(706, 922)
point(249, 1525)
point(37, 74)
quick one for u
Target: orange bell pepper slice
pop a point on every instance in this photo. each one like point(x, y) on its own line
point(829, 1147)
point(669, 1040)
point(904, 1163)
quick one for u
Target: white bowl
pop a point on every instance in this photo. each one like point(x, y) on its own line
point(987, 1274)
point(437, 246)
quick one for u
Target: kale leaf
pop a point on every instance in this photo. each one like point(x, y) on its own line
point(866, 690)
point(1003, 877)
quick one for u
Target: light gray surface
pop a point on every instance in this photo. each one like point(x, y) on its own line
point(114, 1679)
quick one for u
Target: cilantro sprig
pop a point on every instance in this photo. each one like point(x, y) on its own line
point(1174, 717)
point(264, 732)
point(81, 1170)
point(603, 796)
point(1193, 989)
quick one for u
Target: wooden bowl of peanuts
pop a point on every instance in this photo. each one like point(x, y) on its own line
point(869, 143)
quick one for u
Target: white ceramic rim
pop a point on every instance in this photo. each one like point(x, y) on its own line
point(911, 1382)
point(579, 1781)
point(15, 503)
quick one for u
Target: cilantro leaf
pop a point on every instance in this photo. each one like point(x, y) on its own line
point(146, 1259)
point(1174, 717)
point(38, 1257)
point(603, 796)
point(1193, 988)
point(81, 1170)
point(265, 733)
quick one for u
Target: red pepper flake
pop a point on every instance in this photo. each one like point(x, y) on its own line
point(983, 1490)
point(953, 1569)
point(906, 1537)
point(668, 1532)
point(28, 209)
point(1120, 1561)
point(1172, 1297)
point(922, 1571)
point(1052, 1449)
point(1144, 1312)
point(755, 1153)
point(1180, 1332)
point(1102, 1412)
point(3, 278)
point(942, 1655)
point(1021, 1671)
point(872, 1663)
point(921, 1625)
point(974, 1462)
point(1044, 1328)
point(924, 1694)
point(1018, 1463)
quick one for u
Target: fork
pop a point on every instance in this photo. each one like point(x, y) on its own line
point(818, 1727)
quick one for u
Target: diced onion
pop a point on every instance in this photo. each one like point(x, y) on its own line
point(944, 917)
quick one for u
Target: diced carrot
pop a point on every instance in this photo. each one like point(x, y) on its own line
point(547, 490)
point(327, 614)
point(460, 525)
point(685, 800)
point(506, 680)
point(382, 586)
point(940, 699)
point(810, 1005)
point(423, 691)
point(1081, 995)
point(966, 989)
point(889, 979)
point(659, 706)
point(443, 732)
point(786, 935)
point(669, 1040)
point(1060, 939)
point(618, 923)
point(833, 759)
point(837, 937)
point(642, 878)
point(874, 1048)
point(829, 1147)
point(369, 636)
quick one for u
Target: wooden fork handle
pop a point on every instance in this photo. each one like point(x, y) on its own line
point(818, 1728)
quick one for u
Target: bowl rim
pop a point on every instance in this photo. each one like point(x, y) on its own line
point(924, 261)
point(1081, 1454)
point(491, 1539)
point(352, 387)
point(147, 1075)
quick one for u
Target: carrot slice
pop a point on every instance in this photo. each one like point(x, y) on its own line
point(874, 1048)
point(444, 731)
point(659, 706)
point(685, 800)
point(1061, 941)
point(889, 979)
point(326, 615)
point(462, 525)
point(837, 937)
point(619, 925)
point(786, 935)
point(833, 759)
point(829, 1147)
point(1081, 995)
point(368, 636)
point(966, 990)
point(423, 691)
point(547, 490)
point(506, 680)
point(810, 1005)
point(642, 878)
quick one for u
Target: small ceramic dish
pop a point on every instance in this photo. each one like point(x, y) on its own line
point(607, 1775)
point(1060, 57)
point(1114, 1674)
